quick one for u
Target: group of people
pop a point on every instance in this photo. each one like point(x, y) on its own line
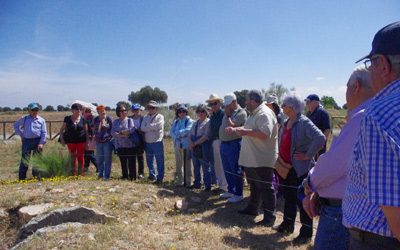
point(353, 187)
point(84, 133)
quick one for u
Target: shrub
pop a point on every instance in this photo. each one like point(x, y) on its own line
point(51, 163)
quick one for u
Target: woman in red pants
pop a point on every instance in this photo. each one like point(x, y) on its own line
point(73, 132)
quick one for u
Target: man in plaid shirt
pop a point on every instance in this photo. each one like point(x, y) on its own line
point(371, 203)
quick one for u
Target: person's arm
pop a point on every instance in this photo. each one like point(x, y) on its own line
point(380, 150)
point(43, 134)
point(393, 219)
point(317, 141)
point(17, 126)
point(184, 132)
point(114, 132)
point(157, 124)
point(62, 129)
point(241, 131)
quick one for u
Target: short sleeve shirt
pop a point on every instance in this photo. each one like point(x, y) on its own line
point(320, 118)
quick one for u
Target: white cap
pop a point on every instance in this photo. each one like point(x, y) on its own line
point(271, 98)
point(229, 98)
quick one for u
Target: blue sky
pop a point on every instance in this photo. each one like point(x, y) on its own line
point(55, 52)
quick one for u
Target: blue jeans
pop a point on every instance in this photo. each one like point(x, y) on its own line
point(104, 158)
point(331, 234)
point(208, 160)
point(155, 150)
point(230, 151)
point(28, 146)
point(205, 166)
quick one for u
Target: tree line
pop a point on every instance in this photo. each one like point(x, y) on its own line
point(147, 93)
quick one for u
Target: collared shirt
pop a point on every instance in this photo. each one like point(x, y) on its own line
point(153, 128)
point(257, 152)
point(329, 176)
point(238, 117)
point(215, 123)
point(374, 173)
point(30, 128)
point(180, 130)
point(320, 118)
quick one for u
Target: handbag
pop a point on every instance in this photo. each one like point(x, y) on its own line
point(282, 169)
point(198, 152)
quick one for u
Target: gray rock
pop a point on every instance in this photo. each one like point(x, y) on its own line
point(181, 205)
point(26, 213)
point(64, 215)
point(45, 230)
point(3, 214)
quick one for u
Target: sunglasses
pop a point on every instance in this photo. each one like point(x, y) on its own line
point(182, 111)
point(213, 103)
point(35, 110)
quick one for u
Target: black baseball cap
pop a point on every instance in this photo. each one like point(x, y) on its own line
point(312, 97)
point(386, 41)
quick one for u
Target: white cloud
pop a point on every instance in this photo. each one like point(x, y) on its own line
point(320, 78)
point(61, 60)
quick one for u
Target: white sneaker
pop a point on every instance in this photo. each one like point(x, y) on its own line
point(226, 195)
point(235, 198)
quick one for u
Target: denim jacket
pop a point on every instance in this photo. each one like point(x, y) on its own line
point(180, 130)
point(306, 138)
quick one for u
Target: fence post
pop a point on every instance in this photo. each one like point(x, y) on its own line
point(4, 131)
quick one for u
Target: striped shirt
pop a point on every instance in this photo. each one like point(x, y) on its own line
point(374, 173)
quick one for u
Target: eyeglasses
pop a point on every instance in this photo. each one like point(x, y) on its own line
point(368, 62)
point(213, 103)
point(181, 111)
point(34, 110)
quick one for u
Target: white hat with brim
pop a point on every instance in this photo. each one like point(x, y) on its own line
point(214, 98)
point(153, 104)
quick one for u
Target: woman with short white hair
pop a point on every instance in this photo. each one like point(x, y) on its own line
point(300, 142)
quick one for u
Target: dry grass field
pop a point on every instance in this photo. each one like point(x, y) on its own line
point(146, 218)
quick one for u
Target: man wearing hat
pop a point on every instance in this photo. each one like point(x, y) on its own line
point(215, 123)
point(371, 203)
point(319, 116)
point(32, 130)
point(235, 116)
point(153, 128)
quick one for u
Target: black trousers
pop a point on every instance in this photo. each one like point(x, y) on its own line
point(128, 164)
point(89, 157)
point(292, 202)
point(261, 190)
point(138, 154)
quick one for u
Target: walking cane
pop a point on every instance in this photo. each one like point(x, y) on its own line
point(184, 167)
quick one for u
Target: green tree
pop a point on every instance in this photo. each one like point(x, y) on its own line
point(241, 97)
point(49, 108)
point(329, 102)
point(147, 93)
point(17, 109)
point(60, 108)
point(278, 89)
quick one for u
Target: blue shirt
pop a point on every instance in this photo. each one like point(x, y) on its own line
point(118, 125)
point(180, 130)
point(320, 118)
point(374, 173)
point(31, 128)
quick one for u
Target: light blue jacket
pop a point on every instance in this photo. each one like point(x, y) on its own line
point(305, 138)
point(180, 130)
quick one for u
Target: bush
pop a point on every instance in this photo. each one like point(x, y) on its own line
point(51, 163)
